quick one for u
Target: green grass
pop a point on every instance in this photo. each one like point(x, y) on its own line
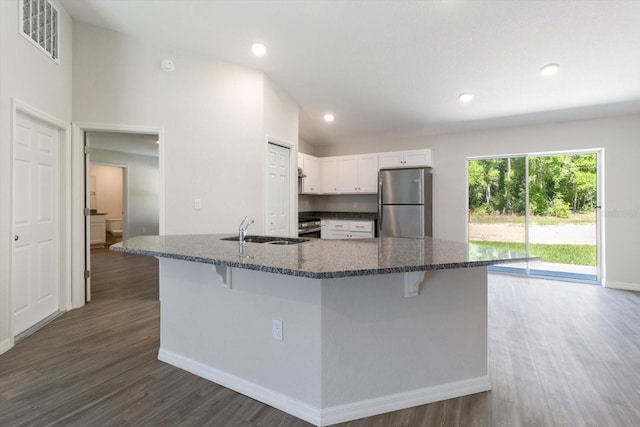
point(560, 254)
point(578, 218)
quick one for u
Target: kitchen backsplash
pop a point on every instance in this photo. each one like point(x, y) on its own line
point(306, 203)
point(338, 203)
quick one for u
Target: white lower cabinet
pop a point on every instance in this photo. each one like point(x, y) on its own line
point(347, 229)
point(98, 230)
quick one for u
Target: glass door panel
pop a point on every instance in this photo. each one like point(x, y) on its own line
point(562, 224)
point(497, 205)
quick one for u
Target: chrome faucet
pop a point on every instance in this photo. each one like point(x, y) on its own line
point(242, 230)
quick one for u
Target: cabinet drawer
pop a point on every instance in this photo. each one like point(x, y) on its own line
point(349, 225)
point(360, 226)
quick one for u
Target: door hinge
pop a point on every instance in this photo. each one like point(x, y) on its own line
point(87, 211)
point(85, 149)
point(87, 274)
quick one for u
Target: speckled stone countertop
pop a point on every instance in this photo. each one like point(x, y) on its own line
point(320, 258)
point(370, 216)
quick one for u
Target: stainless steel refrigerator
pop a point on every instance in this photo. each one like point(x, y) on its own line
point(404, 202)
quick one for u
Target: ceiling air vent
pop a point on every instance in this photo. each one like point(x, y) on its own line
point(39, 24)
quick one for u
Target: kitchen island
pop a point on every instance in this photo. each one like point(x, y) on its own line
point(326, 330)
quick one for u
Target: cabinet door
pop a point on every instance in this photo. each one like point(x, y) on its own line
point(329, 175)
point(324, 229)
point(361, 235)
point(347, 174)
point(417, 158)
point(368, 173)
point(98, 230)
point(391, 160)
point(336, 234)
point(311, 184)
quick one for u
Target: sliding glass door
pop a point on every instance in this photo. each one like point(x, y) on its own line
point(543, 205)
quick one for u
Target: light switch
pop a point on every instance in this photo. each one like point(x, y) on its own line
point(197, 204)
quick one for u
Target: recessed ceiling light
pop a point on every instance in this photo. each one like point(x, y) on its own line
point(465, 97)
point(158, 142)
point(549, 69)
point(258, 49)
point(329, 118)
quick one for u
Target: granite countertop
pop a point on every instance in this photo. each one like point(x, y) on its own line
point(320, 258)
point(371, 216)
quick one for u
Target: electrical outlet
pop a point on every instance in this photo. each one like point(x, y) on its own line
point(197, 204)
point(276, 330)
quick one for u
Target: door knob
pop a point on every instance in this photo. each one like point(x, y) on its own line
point(16, 238)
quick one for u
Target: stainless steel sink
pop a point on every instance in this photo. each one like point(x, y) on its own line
point(273, 240)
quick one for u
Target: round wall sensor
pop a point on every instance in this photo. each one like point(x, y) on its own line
point(167, 65)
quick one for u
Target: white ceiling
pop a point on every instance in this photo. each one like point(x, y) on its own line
point(397, 67)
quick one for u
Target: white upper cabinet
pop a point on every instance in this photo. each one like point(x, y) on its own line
point(354, 174)
point(405, 159)
point(347, 174)
point(311, 168)
point(368, 173)
point(358, 174)
point(329, 166)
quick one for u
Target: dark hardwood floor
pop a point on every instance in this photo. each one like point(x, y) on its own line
point(561, 354)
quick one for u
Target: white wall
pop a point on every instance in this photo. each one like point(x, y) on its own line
point(32, 78)
point(281, 125)
point(617, 135)
point(280, 114)
point(109, 181)
point(213, 115)
point(142, 184)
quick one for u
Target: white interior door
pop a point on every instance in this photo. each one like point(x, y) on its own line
point(87, 219)
point(278, 190)
point(35, 262)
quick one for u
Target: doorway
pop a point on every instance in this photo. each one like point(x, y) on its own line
point(545, 205)
point(88, 141)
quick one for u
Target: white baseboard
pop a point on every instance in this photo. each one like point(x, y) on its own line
point(280, 401)
point(334, 414)
point(5, 345)
point(395, 402)
point(622, 285)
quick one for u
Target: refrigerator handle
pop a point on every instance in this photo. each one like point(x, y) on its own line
point(379, 204)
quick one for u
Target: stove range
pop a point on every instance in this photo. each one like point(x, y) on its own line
point(309, 227)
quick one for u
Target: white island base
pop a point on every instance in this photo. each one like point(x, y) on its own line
point(352, 347)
